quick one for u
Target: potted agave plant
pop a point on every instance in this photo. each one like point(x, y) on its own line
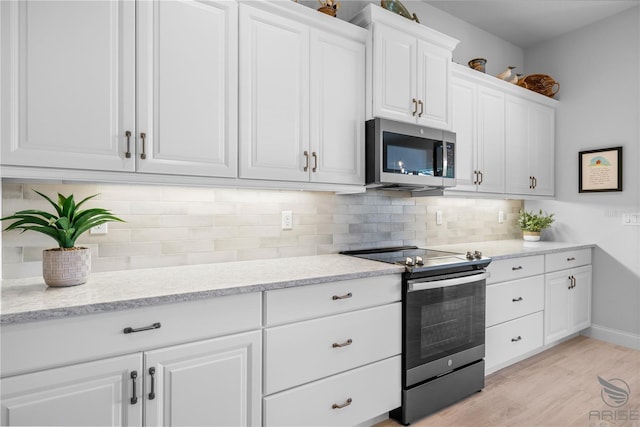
point(532, 224)
point(67, 265)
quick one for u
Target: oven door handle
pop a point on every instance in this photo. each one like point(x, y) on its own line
point(421, 285)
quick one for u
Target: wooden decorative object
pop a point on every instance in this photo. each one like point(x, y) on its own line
point(540, 83)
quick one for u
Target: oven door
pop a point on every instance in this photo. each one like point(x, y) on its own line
point(444, 324)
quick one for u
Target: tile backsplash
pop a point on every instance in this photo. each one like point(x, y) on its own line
point(168, 226)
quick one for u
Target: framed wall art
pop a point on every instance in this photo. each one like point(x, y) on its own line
point(600, 170)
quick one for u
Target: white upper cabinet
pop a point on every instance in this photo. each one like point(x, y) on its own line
point(68, 73)
point(301, 95)
point(70, 98)
point(187, 87)
point(409, 69)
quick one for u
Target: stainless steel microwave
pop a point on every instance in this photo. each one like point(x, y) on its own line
point(404, 156)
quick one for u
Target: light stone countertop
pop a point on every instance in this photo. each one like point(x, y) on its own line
point(506, 249)
point(29, 299)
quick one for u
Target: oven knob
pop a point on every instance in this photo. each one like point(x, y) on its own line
point(419, 260)
point(477, 254)
point(469, 255)
point(409, 262)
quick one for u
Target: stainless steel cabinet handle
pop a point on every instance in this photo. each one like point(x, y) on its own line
point(421, 108)
point(475, 177)
point(481, 177)
point(571, 259)
point(315, 162)
point(127, 134)
point(152, 373)
point(516, 268)
point(415, 107)
point(530, 183)
point(306, 165)
point(134, 398)
point(130, 330)
point(517, 299)
point(143, 155)
point(518, 338)
point(535, 182)
point(345, 296)
point(344, 344)
point(345, 404)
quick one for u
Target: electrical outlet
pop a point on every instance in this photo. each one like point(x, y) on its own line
point(631, 219)
point(438, 217)
point(99, 229)
point(287, 220)
point(500, 217)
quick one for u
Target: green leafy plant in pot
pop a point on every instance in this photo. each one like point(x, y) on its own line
point(67, 265)
point(532, 224)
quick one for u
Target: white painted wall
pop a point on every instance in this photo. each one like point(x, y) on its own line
point(598, 68)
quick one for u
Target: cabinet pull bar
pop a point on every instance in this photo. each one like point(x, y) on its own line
point(345, 404)
point(143, 155)
point(421, 108)
point(535, 182)
point(570, 282)
point(127, 134)
point(130, 330)
point(306, 165)
point(344, 344)
point(516, 268)
point(315, 161)
point(518, 338)
point(475, 177)
point(571, 259)
point(152, 373)
point(415, 107)
point(481, 177)
point(517, 299)
point(345, 296)
point(134, 398)
point(530, 183)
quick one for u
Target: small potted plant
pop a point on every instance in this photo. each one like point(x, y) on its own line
point(67, 265)
point(533, 223)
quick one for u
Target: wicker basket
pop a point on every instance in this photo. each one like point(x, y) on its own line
point(540, 83)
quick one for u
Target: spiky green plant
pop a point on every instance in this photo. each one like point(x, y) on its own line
point(66, 225)
point(530, 221)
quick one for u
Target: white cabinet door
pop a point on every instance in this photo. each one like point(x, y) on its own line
point(274, 97)
point(394, 74)
point(517, 126)
point(581, 299)
point(463, 118)
point(88, 394)
point(433, 86)
point(490, 155)
point(337, 109)
point(68, 75)
point(187, 87)
point(542, 149)
point(207, 383)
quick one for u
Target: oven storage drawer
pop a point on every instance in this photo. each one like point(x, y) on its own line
point(510, 300)
point(302, 352)
point(515, 268)
point(509, 340)
point(373, 389)
point(568, 259)
point(308, 302)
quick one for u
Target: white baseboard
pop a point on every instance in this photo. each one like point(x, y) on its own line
point(613, 336)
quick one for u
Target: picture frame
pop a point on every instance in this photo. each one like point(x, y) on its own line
point(600, 170)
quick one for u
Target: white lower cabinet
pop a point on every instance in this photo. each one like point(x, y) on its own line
point(509, 340)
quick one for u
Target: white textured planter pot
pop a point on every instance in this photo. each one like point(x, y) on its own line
point(531, 236)
point(66, 267)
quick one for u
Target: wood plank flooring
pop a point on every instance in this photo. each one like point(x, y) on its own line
point(558, 387)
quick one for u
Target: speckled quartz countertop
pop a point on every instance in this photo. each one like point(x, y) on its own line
point(25, 300)
point(505, 249)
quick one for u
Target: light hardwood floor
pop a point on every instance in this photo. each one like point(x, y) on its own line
point(558, 387)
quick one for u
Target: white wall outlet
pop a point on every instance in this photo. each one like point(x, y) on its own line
point(438, 217)
point(287, 220)
point(99, 229)
point(500, 217)
point(631, 219)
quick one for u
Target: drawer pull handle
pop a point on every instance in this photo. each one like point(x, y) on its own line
point(152, 373)
point(134, 398)
point(344, 405)
point(571, 259)
point(344, 344)
point(518, 338)
point(130, 330)
point(516, 268)
point(517, 299)
point(337, 297)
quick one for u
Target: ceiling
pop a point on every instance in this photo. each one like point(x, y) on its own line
point(528, 22)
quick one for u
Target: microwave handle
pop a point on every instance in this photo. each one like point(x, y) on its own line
point(424, 284)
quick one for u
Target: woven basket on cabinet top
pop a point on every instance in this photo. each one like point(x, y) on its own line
point(540, 83)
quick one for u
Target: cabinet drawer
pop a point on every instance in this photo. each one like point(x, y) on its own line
point(308, 302)
point(306, 351)
point(512, 339)
point(373, 389)
point(568, 259)
point(46, 344)
point(510, 300)
point(515, 268)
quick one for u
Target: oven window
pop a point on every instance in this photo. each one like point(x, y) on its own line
point(446, 325)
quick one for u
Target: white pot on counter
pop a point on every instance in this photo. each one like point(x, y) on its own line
point(66, 267)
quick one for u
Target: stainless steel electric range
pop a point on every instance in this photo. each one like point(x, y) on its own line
point(443, 323)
